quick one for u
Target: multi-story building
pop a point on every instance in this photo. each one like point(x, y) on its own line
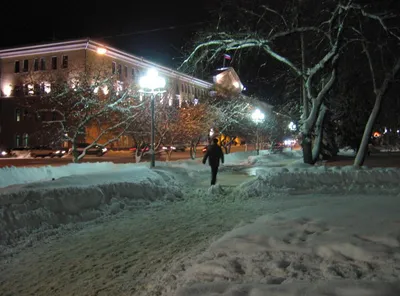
point(24, 73)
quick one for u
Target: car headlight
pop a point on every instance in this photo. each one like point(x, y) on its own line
point(4, 153)
point(104, 149)
point(164, 148)
point(63, 152)
point(173, 148)
point(58, 152)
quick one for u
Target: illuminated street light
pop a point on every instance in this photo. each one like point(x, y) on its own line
point(152, 84)
point(257, 116)
point(292, 126)
point(101, 50)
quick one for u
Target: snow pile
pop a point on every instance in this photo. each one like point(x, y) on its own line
point(26, 208)
point(347, 152)
point(304, 178)
point(239, 157)
point(312, 250)
point(21, 175)
point(275, 159)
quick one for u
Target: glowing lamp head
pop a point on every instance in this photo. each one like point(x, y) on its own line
point(257, 116)
point(101, 50)
point(152, 80)
point(7, 89)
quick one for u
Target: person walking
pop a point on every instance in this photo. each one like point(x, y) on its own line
point(215, 155)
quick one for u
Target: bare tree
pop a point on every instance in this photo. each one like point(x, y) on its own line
point(95, 108)
point(380, 44)
point(263, 32)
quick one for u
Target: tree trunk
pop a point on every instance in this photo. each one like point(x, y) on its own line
point(138, 155)
point(360, 157)
point(75, 153)
point(193, 148)
point(307, 149)
point(169, 152)
point(318, 129)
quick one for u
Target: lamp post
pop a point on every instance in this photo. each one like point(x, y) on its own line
point(257, 116)
point(152, 84)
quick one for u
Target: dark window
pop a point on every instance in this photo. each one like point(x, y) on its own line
point(133, 73)
point(17, 140)
point(42, 64)
point(17, 115)
point(25, 139)
point(26, 90)
point(54, 63)
point(26, 65)
point(16, 67)
point(36, 65)
point(65, 62)
point(182, 88)
point(113, 68)
point(126, 71)
point(119, 71)
point(26, 114)
point(38, 116)
point(36, 88)
point(54, 116)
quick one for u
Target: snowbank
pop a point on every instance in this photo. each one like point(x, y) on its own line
point(349, 248)
point(304, 178)
point(26, 208)
point(21, 175)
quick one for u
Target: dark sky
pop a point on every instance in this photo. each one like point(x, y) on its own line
point(47, 21)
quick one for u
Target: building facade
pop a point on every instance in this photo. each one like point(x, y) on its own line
point(24, 73)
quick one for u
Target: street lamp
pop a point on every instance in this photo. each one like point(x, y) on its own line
point(152, 84)
point(292, 126)
point(257, 117)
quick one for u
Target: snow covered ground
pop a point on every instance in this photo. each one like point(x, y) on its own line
point(272, 227)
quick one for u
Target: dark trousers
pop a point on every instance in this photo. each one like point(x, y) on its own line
point(214, 172)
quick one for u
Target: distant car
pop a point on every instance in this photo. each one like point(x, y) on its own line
point(41, 151)
point(144, 148)
point(59, 152)
point(181, 148)
point(5, 152)
point(94, 150)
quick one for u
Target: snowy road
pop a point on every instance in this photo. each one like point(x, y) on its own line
point(317, 224)
point(124, 256)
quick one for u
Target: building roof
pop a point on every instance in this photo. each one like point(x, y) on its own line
point(88, 44)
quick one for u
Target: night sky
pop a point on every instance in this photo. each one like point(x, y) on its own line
point(55, 21)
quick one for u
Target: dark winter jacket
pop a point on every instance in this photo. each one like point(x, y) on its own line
point(214, 154)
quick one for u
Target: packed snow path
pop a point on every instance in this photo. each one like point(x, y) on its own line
point(123, 256)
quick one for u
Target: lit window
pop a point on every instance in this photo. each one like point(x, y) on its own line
point(16, 67)
point(25, 139)
point(31, 89)
point(113, 69)
point(45, 87)
point(54, 63)
point(36, 65)
point(65, 62)
point(26, 66)
point(17, 115)
point(42, 64)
